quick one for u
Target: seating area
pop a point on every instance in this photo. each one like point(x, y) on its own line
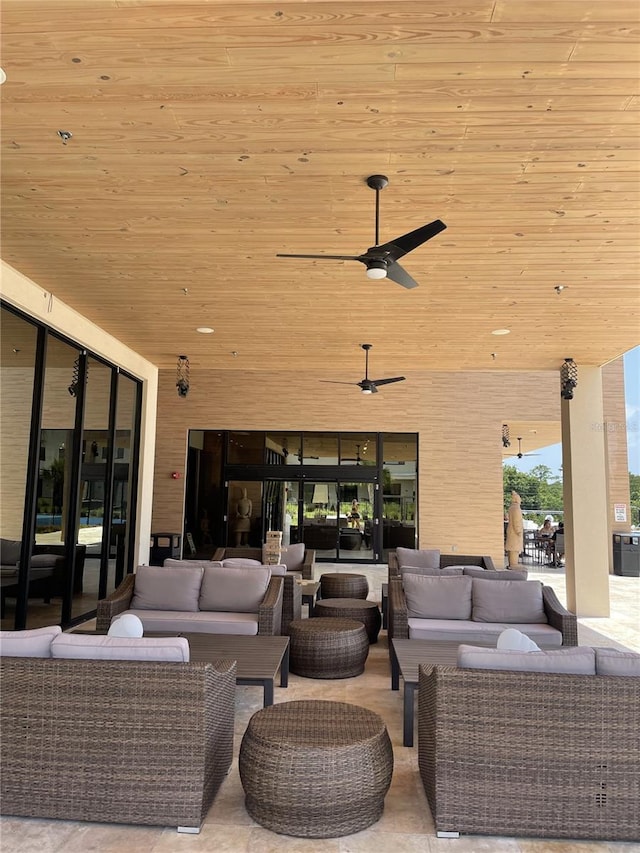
point(416, 801)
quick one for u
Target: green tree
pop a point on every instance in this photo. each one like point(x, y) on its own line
point(539, 489)
point(634, 496)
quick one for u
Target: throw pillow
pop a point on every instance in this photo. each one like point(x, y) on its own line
point(34, 643)
point(425, 558)
point(573, 660)
point(515, 640)
point(617, 662)
point(126, 625)
point(437, 598)
point(10, 551)
point(507, 601)
point(292, 556)
point(160, 588)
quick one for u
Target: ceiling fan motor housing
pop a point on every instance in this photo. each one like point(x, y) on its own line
point(376, 269)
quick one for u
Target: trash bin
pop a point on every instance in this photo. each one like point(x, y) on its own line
point(165, 546)
point(626, 554)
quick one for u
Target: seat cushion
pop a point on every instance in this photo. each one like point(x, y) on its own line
point(448, 572)
point(234, 590)
point(241, 562)
point(489, 575)
point(461, 631)
point(160, 588)
point(573, 660)
point(437, 597)
point(202, 622)
point(507, 601)
point(426, 558)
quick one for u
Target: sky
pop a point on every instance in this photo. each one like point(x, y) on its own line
point(552, 456)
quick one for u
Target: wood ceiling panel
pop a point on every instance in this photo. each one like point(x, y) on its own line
point(209, 136)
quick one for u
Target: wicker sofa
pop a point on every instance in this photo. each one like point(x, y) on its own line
point(432, 558)
point(530, 753)
point(204, 598)
point(551, 627)
point(119, 741)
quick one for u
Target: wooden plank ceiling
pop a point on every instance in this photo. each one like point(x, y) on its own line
point(208, 136)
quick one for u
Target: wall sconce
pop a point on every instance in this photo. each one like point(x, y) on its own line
point(506, 441)
point(182, 376)
point(568, 378)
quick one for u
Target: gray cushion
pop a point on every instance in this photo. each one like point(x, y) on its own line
point(160, 588)
point(448, 572)
point(292, 556)
point(176, 564)
point(10, 551)
point(489, 575)
point(425, 558)
point(438, 597)
point(44, 561)
point(242, 562)
point(507, 601)
point(202, 622)
point(234, 590)
point(34, 643)
point(100, 647)
point(574, 660)
point(617, 662)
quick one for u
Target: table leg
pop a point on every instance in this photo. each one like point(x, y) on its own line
point(395, 670)
point(284, 668)
point(268, 692)
point(409, 694)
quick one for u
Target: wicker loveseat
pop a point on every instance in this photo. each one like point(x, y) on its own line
point(432, 558)
point(530, 753)
point(205, 598)
point(120, 741)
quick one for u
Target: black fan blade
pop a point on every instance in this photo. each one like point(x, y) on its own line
point(396, 273)
point(388, 381)
point(401, 246)
point(324, 257)
point(334, 382)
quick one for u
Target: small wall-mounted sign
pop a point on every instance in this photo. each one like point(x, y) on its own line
point(620, 512)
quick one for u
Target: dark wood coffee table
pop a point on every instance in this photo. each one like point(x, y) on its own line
point(406, 656)
point(258, 657)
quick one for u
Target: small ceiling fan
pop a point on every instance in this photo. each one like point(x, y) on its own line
point(381, 260)
point(520, 454)
point(357, 458)
point(368, 386)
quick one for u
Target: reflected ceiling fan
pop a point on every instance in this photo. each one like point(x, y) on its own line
point(520, 454)
point(381, 260)
point(357, 458)
point(368, 386)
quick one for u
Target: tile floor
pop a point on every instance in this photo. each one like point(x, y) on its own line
point(406, 825)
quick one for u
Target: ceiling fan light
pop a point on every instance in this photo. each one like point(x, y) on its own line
point(376, 269)
point(367, 391)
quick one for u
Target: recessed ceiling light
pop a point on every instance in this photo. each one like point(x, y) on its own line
point(205, 330)
point(501, 332)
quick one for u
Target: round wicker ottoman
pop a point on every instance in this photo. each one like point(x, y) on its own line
point(327, 648)
point(315, 769)
point(343, 585)
point(353, 608)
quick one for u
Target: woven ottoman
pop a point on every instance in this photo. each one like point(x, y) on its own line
point(327, 648)
point(366, 612)
point(343, 585)
point(315, 769)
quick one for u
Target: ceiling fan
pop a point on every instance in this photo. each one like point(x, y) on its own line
point(357, 458)
point(381, 260)
point(520, 454)
point(368, 386)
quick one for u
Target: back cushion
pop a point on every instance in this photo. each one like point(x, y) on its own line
point(99, 647)
point(34, 643)
point(488, 575)
point(573, 660)
point(177, 564)
point(438, 598)
point(241, 562)
point(450, 571)
point(234, 590)
point(617, 662)
point(507, 601)
point(10, 551)
point(160, 588)
point(426, 559)
point(292, 556)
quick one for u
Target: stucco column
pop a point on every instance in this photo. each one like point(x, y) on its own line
point(585, 497)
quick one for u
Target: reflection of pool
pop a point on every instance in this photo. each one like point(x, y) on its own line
point(47, 520)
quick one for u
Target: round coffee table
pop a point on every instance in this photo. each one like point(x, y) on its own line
point(366, 612)
point(315, 769)
point(327, 648)
point(343, 585)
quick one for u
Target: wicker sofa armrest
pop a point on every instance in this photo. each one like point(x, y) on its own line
point(308, 564)
point(394, 571)
point(397, 618)
point(559, 617)
point(117, 602)
point(270, 612)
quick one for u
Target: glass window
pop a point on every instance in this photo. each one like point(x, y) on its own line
point(319, 448)
point(246, 448)
point(283, 448)
point(357, 449)
point(399, 490)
